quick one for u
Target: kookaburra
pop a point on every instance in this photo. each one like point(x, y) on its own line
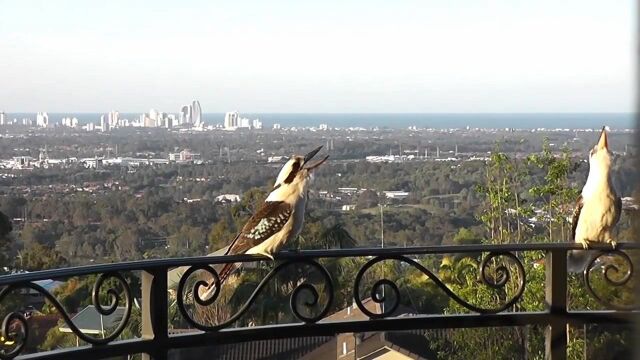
point(279, 219)
point(598, 208)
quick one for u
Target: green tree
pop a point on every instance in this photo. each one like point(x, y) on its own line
point(367, 199)
point(40, 257)
point(337, 236)
point(466, 236)
point(221, 235)
point(556, 192)
point(5, 240)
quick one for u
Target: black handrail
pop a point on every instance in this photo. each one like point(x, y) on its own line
point(156, 341)
point(302, 254)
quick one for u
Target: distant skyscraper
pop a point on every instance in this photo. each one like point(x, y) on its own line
point(170, 121)
point(185, 114)
point(161, 119)
point(257, 124)
point(231, 120)
point(69, 122)
point(3, 118)
point(196, 113)
point(153, 114)
point(42, 119)
point(113, 118)
point(104, 123)
point(148, 121)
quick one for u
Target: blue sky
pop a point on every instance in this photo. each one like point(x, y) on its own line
point(321, 56)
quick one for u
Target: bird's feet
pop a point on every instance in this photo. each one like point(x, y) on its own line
point(613, 243)
point(584, 243)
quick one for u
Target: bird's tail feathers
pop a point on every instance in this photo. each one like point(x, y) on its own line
point(224, 273)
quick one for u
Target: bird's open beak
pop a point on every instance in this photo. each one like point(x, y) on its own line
point(603, 143)
point(310, 155)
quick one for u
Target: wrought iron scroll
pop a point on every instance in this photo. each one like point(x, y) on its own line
point(610, 271)
point(296, 300)
point(503, 275)
point(20, 337)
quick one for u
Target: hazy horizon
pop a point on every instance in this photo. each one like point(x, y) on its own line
point(331, 112)
point(401, 120)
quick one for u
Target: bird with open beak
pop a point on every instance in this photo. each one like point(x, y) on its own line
point(598, 208)
point(280, 218)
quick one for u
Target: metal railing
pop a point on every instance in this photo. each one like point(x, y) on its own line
point(311, 302)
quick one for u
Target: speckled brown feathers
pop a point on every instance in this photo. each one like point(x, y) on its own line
point(268, 220)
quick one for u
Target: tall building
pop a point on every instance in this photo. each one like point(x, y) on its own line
point(231, 120)
point(70, 122)
point(42, 119)
point(161, 119)
point(148, 121)
point(113, 119)
point(170, 121)
point(196, 113)
point(3, 118)
point(257, 124)
point(185, 114)
point(104, 123)
point(153, 114)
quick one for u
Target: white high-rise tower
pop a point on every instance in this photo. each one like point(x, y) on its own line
point(231, 120)
point(42, 119)
point(196, 113)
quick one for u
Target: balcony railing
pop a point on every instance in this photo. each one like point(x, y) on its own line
point(311, 302)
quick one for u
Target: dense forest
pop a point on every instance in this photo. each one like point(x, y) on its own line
point(171, 210)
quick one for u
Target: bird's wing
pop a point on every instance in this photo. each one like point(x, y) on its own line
point(618, 205)
point(268, 220)
point(576, 216)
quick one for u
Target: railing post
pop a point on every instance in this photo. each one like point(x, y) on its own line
point(556, 302)
point(155, 312)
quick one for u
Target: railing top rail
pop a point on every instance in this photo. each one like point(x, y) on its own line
point(303, 254)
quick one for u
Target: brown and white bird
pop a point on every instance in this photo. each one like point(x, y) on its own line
point(598, 208)
point(279, 219)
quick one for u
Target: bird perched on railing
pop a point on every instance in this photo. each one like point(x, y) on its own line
point(279, 219)
point(598, 208)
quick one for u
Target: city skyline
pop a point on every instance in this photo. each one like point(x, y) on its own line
point(289, 57)
point(238, 120)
